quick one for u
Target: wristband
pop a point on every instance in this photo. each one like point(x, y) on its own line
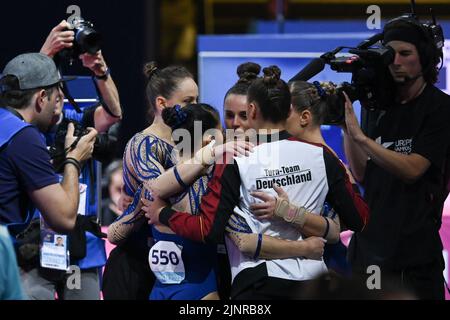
point(104, 76)
point(180, 181)
point(258, 246)
point(74, 162)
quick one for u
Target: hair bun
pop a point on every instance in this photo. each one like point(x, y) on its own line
point(272, 75)
point(150, 68)
point(248, 71)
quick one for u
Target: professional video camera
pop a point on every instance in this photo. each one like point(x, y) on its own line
point(371, 83)
point(103, 147)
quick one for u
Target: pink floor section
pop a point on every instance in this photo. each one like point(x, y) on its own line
point(109, 246)
point(445, 236)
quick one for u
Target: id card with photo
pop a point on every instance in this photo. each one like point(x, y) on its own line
point(54, 252)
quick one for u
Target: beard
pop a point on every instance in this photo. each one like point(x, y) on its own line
point(53, 126)
point(402, 78)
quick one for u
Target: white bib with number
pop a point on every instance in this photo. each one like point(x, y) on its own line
point(166, 262)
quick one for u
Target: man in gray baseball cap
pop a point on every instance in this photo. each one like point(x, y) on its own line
point(32, 71)
point(33, 79)
point(31, 101)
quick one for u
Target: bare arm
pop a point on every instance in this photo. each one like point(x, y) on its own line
point(58, 203)
point(184, 174)
point(317, 225)
point(309, 224)
point(267, 247)
point(275, 248)
point(408, 168)
point(108, 90)
point(356, 157)
point(59, 38)
point(128, 222)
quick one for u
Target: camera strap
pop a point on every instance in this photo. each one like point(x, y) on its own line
point(65, 89)
point(102, 101)
point(64, 152)
point(69, 97)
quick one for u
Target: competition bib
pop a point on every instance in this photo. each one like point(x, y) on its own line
point(166, 262)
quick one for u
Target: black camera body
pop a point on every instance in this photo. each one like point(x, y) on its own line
point(371, 83)
point(104, 145)
point(86, 39)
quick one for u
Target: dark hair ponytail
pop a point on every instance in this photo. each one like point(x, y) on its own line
point(271, 95)
point(162, 82)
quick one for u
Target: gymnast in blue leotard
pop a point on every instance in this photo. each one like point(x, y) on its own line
point(147, 155)
point(185, 270)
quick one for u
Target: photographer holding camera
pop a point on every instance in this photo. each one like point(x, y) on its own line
point(62, 37)
point(85, 244)
point(32, 100)
point(403, 166)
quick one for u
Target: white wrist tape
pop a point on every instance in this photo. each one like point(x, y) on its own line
point(290, 213)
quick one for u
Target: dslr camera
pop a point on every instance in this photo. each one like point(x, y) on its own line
point(104, 145)
point(86, 39)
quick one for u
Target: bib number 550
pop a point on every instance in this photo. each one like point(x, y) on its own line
point(163, 257)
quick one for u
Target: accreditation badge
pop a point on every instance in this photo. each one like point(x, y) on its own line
point(54, 253)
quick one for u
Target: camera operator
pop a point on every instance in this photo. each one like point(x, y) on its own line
point(86, 247)
point(32, 100)
point(402, 167)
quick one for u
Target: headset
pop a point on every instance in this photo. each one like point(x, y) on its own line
point(431, 51)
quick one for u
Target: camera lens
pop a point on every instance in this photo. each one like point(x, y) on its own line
point(88, 39)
